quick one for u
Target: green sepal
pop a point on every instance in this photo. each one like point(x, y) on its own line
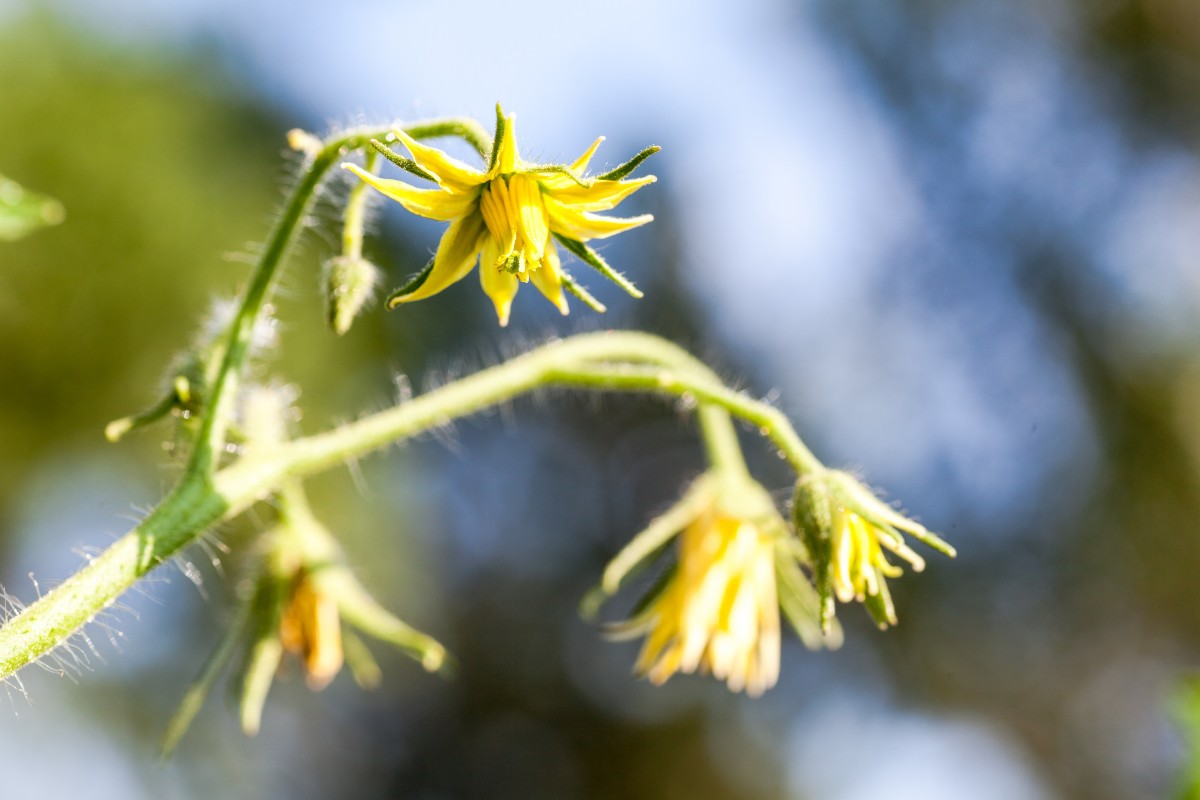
point(560, 169)
point(880, 606)
point(812, 516)
point(200, 688)
point(635, 625)
point(265, 651)
point(642, 549)
point(414, 282)
point(571, 285)
point(363, 666)
point(864, 503)
point(656, 589)
point(590, 257)
point(117, 429)
point(801, 605)
point(358, 608)
point(400, 161)
point(629, 166)
point(589, 604)
point(501, 126)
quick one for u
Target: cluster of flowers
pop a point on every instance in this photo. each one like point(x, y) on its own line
point(716, 605)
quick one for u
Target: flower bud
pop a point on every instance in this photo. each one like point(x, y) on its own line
point(349, 283)
point(847, 530)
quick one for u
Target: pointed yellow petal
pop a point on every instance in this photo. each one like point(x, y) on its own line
point(498, 284)
point(431, 203)
point(455, 256)
point(548, 279)
point(580, 164)
point(506, 151)
point(450, 172)
point(600, 196)
point(583, 226)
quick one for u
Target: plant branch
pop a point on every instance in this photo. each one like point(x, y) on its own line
point(216, 417)
point(613, 361)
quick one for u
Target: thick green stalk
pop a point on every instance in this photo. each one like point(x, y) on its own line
point(188, 510)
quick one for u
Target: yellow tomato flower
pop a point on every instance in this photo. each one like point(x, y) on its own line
point(718, 609)
point(507, 218)
point(719, 613)
point(860, 568)
point(311, 629)
point(848, 529)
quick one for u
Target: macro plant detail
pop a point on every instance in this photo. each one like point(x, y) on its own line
point(508, 217)
point(731, 566)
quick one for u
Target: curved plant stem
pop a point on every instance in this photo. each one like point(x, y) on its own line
point(613, 361)
point(211, 439)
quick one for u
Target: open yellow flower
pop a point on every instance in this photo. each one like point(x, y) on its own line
point(508, 217)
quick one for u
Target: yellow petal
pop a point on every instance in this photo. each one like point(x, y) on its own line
point(583, 226)
point(449, 171)
point(548, 279)
point(580, 164)
point(506, 151)
point(500, 215)
point(600, 196)
point(431, 203)
point(498, 284)
point(532, 222)
point(455, 256)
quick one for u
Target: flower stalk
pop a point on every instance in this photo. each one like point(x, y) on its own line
point(609, 360)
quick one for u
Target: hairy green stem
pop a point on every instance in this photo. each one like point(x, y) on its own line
point(356, 208)
point(615, 361)
point(205, 457)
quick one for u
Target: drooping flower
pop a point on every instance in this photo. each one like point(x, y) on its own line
point(719, 613)
point(848, 529)
point(508, 217)
point(310, 628)
point(717, 610)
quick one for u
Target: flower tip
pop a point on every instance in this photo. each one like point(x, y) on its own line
point(433, 659)
point(116, 429)
point(304, 142)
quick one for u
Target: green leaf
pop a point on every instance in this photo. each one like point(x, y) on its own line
point(22, 212)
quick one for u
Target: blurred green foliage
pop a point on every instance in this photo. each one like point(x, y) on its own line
point(1187, 713)
point(161, 177)
point(22, 212)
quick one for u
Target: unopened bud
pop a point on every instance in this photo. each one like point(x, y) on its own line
point(349, 283)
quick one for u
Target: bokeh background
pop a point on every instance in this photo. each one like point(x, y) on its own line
point(956, 240)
